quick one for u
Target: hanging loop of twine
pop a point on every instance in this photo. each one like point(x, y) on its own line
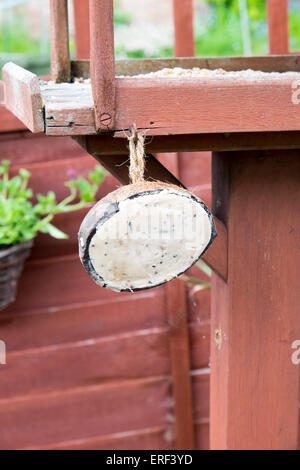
point(137, 156)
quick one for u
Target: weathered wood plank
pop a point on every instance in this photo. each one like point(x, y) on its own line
point(23, 96)
point(102, 62)
point(274, 63)
point(59, 38)
point(278, 30)
point(165, 106)
point(23, 148)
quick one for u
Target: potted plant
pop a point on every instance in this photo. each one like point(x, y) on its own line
point(21, 219)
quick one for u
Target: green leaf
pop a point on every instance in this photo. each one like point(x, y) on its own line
point(24, 173)
point(97, 176)
point(53, 231)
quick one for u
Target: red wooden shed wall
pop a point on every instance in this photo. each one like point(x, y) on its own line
point(86, 367)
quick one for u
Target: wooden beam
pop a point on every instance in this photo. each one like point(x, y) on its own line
point(183, 28)
point(107, 144)
point(82, 29)
point(23, 96)
point(163, 106)
point(254, 399)
point(278, 28)
point(180, 364)
point(117, 165)
point(59, 38)
point(103, 62)
point(274, 63)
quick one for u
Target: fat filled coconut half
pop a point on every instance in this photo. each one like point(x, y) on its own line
point(143, 235)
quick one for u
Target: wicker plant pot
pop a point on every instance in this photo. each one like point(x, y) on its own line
point(11, 264)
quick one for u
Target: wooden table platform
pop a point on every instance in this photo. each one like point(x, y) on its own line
point(164, 106)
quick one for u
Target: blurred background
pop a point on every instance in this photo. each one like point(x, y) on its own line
point(222, 27)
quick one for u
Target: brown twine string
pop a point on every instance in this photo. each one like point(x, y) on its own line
point(137, 157)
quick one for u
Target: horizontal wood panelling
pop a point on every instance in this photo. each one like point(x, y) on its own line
point(8, 122)
point(145, 439)
point(130, 355)
point(89, 412)
point(154, 438)
point(57, 281)
point(84, 412)
point(79, 322)
point(93, 361)
point(53, 174)
point(24, 148)
point(46, 247)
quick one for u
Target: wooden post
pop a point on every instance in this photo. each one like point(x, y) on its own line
point(82, 29)
point(278, 31)
point(180, 364)
point(255, 315)
point(59, 38)
point(183, 28)
point(102, 62)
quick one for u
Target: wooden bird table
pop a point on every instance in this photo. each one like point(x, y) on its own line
point(252, 124)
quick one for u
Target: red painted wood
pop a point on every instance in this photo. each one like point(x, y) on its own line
point(32, 371)
point(95, 410)
point(116, 144)
point(84, 412)
point(102, 62)
point(101, 318)
point(59, 37)
point(80, 364)
point(159, 438)
point(59, 282)
point(8, 122)
point(82, 29)
point(183, 28)
point(255, 316)
point(25, 148)
point(180, 364)
point(278, 29)
point(23, 96)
